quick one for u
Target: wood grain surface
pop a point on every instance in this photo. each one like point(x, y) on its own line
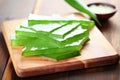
point(110, 30)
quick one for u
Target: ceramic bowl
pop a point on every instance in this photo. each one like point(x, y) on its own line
point(104, 16)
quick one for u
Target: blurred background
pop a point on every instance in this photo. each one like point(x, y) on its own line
point(18, 9)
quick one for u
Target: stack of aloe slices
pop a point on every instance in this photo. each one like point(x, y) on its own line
point(56, 39)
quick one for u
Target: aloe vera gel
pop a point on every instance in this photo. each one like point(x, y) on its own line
point(101, 9)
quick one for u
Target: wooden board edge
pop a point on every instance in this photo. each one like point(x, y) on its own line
point(90, 63)
point(6, 40)
point(113, 59)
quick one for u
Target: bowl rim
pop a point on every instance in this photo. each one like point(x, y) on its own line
point(103, 3)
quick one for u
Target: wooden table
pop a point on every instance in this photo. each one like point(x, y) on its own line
point(13, 9)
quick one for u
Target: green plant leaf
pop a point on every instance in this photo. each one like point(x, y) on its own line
point(77, 4)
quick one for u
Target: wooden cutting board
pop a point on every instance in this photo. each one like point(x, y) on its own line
point(97, 52)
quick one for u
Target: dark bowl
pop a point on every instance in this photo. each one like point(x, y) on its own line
point(104, 16)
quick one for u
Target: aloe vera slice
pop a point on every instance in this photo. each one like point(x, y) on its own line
point(82, 22)
point(55, 53)
point(75, 38)
point(59, 27)
point(65, 30)
point(34, 39)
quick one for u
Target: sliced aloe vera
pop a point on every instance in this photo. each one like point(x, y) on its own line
point(75, 38)
point(55, 53)
point(35, 39)
point(55, 39)
point(82, 22)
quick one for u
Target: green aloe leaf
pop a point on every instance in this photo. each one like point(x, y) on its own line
point(76, 38)
point(55, 53)
point(82, 22)
point(77, 4)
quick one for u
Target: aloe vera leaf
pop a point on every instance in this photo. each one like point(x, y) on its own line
point(63, 56)
point(25, 34)
point(55, 53)
point(37, 43)
point(35, 39)
point(60, 27)
point(77, 4)
point(65, 30)
point(21, 26)
point(21, 42)
point(35, 33)
point(75, 38)
point(34, 22)
point(51, 51)
point(71, 30)
point(87, 25)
